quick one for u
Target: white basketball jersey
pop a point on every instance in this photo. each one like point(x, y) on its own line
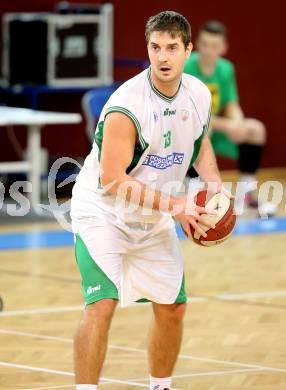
point(170, 130)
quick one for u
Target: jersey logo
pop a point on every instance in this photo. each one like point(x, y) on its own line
point(178, 158)
point(167, 139)
point(169, 112)
point(185, 114)
point(159, 162)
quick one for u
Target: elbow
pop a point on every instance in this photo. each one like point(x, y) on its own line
point(107, 181)
point(110, 180)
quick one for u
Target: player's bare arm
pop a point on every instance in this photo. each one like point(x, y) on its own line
point(119, 130)
point(207, 168)
point(206, 165)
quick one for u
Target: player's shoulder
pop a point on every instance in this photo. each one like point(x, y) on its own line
point(195, 87)
point(129, 98)
point(131, 88)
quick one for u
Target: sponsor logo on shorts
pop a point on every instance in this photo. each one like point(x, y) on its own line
point(156, 387)
point(158, 162)
point(91, 289)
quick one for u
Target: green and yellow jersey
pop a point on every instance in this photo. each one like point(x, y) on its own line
point(222, 85)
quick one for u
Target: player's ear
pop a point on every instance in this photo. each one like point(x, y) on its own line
point(189, 49)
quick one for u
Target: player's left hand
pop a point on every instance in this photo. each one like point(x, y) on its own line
point(226, 192)
point(217, 186)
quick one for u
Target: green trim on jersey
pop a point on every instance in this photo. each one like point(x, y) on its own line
point(167, 99)
point(134, 120)
point(136, 157)
point(197, 146)
point(98, 137)
point(139, 148)
point(198, 142)
point(95, 283)
point(209, 118)
point(181, 298)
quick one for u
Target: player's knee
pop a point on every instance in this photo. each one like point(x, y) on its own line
point(179, 312)
point(101, 311)
point(170, 313)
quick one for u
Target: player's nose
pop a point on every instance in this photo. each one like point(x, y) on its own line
point(162, 57)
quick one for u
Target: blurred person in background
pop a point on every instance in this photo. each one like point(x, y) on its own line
point(232, 134)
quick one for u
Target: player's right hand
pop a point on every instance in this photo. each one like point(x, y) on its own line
point(191, 214)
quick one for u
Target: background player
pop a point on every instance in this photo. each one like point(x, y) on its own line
point(158, 121)
point(232, 134)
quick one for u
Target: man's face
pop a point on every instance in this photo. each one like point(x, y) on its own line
point(211, 46)
point(167, 55)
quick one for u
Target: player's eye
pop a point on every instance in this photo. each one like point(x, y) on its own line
point(155, 47)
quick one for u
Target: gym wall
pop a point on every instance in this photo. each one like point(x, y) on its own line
point(255, 35)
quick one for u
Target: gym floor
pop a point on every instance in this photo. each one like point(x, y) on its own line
point(234, 328)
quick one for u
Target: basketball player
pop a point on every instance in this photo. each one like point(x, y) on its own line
point(232, 134)
point(149, 132)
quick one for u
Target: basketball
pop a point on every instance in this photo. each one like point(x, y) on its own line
point(224, 221)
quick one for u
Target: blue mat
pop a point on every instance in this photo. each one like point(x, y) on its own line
point(53, 239)
point(252, 227)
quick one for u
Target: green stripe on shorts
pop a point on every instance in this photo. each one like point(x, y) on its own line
point(181, 298)
point(95, 283)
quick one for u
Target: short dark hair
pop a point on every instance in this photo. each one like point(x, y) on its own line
point(172, 22)
point(214, 27)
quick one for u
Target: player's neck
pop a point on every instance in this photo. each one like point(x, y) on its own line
point(166, 88)
point(206, 68)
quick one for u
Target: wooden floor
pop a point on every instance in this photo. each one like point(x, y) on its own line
point(235, 326)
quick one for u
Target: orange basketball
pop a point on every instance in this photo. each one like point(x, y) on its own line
point(224, 222)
